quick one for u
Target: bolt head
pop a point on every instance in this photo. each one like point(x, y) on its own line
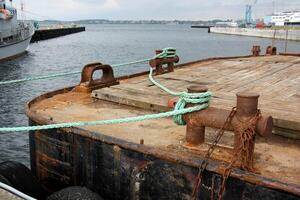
point(247, 94)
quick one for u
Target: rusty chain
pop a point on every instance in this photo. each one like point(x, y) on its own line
point(210, 151)
point(246, 133)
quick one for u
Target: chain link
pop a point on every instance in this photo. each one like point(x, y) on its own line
point(246, 133)
point(210, 151)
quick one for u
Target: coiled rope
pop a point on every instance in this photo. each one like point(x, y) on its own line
point(195, 98)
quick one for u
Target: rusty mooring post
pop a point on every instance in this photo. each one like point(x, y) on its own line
point(195, 135)
point(158, 63)
point(270, 51)
point(255, 50)
point(246, 109)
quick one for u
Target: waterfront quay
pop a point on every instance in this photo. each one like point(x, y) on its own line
point(45, 34)
point(285, 34)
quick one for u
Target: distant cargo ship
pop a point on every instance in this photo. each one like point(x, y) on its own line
point(15, 35)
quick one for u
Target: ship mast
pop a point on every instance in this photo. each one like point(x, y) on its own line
point(23, 17)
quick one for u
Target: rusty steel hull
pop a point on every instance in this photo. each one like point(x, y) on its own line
point(118, 169)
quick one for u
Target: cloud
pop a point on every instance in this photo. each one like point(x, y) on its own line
point(110, 4)
point(149, 9)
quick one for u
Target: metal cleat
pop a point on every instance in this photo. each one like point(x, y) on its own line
point(87, 83)
point(158, 64)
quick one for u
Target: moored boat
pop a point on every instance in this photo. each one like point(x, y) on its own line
point(157, 159)
point(15, 35)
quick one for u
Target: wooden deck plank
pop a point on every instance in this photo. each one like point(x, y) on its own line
point(276, 78)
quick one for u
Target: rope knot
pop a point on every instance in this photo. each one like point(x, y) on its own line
point(185, 98)
point(202, 98)
point(168, 52)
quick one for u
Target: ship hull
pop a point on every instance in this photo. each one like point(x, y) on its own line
point(119, 169)
point(13, 50)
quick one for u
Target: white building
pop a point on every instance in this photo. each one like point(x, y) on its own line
point(295, 18)
point(226, 24)
point(282, 18)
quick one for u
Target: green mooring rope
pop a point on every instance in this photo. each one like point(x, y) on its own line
point(65, 73)
point(104, 122)
point(179, 110)
point(40, 77)
point(185, 98)
point(166, 53)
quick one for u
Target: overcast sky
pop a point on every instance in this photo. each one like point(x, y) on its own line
point(150, 9)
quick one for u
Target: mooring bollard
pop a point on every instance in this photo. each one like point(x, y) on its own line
point(158, 63)
point(246, 110)
point(270, 51)
point(255, 50)
point(195, 134)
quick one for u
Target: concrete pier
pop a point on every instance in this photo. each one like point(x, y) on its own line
point(291, 34)
point(45, 34)
point(201, 26)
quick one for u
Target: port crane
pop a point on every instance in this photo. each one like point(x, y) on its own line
point(248, 13)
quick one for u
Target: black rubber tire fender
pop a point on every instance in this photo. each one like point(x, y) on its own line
point(22, 179)
point(74, 193)
point(4, 180)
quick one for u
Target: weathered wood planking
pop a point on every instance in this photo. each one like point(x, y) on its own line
point(275, 78)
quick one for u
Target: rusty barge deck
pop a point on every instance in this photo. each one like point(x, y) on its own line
point(55, 155)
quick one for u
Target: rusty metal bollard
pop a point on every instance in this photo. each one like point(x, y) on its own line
point(195, 134)
point(255, 50)
point(158, 63)
point(88, 83)
point(246, 109)
point(271, 51)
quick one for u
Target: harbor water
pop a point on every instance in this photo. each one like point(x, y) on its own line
point(109, 44)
